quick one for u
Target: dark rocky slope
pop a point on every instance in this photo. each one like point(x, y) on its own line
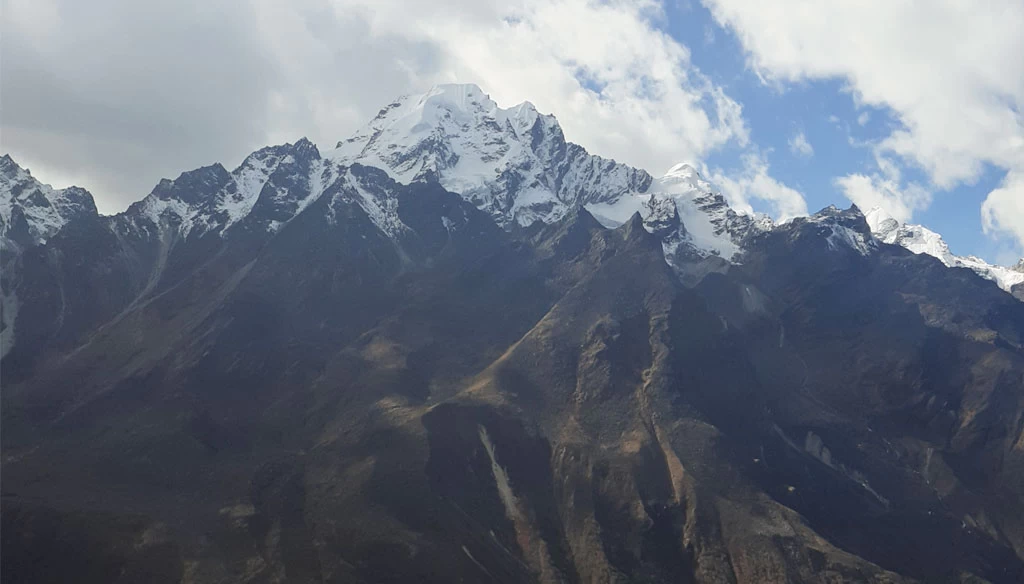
point(327, 402)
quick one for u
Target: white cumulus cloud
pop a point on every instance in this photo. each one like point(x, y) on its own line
point(118, 94)
point(950, 72)
point(755, 182)
point(872, 191)
point(1003, 209)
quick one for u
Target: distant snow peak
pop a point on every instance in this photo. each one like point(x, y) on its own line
point(32, 212)
point(916, 238)
point(921, 240)
point(516, 165)
point(688, 213)
point(682, 171)
point(844, 229)
point(460, 96)
point(513, 163)
point(880, 221)
point(713, 227)
point(249, 178)
point(211, 199)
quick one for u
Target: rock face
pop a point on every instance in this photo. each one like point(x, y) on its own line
point(30, 214)
point(341, 368)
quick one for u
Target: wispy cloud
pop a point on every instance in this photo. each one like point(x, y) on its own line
point(709, 35)
point(799, 145)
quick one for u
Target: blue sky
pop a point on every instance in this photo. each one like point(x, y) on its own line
point(839, 131)
point(913, 106)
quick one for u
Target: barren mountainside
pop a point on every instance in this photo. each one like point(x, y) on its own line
point(459, 348)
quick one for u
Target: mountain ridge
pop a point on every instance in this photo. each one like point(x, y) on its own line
point(920, 239)
point(304, 370)
point(515, 163)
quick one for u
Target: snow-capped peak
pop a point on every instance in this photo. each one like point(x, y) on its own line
point(410, 119)
point(921, 240)
point(711, 224)
point(683, 171)
point(213, 199)
point(513, 163)
point(843, 229)
point(916, 238)
point(32, 212)
point(706, 224)
point(522, 117)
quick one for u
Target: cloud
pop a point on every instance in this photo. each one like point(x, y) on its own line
point(885, 188)
point(618, 84)
point(753, 181)
point(949, 72)
point(863, 118)
point(104, 99)
point(120, 93)
point(799, 145)
point(709, 35)
point(1003, 209)
point(872, 191)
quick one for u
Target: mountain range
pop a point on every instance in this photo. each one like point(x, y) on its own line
point(458, 347)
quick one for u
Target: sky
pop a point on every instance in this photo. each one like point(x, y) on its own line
point(788, 106)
